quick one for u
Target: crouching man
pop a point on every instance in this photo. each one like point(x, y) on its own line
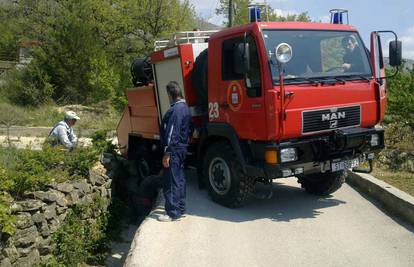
point(63, 134)
point(175, 133)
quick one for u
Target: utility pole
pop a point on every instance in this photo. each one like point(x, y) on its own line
point(230, 24)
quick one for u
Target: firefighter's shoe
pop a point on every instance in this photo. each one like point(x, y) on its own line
point(166, 218)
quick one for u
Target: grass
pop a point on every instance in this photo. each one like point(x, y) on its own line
point(400, 179)
point(49, 115)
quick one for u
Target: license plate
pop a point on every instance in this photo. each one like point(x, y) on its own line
point(343, 165)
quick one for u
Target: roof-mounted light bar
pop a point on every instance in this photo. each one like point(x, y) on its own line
point(337, 16)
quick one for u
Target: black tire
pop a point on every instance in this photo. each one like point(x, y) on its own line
point(323, 184)
point(141, 72)
point(238, 187)
point(199, 78)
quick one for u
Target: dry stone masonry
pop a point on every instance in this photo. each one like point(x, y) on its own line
point(42, 213)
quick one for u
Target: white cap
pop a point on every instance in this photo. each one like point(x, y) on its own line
point(71, 115)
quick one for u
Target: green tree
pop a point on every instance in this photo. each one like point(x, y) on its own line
point(86, 47)
point(241, 12)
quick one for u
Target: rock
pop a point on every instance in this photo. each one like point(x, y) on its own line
point(54, 225)
point(27, 205)
point(23, 252)
point(64, 187)
point(108, 184)
point(86, 200)
point(61, 210)
point(44, 230)
point(72, 198)
point(50, 211)
point(402, 155)
point(30, 260)
point(49, 196)
point(83, 186)
point(96, 179)
point(5, 263)
point(11, 253)
point(410, 165)
point(103, 192)
point(62, 217)
point(46, 247)
point(97, 175)
point(26, 237)
point(23, 220)
point(38, 218)
point(61, 200)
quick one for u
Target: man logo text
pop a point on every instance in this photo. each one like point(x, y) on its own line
point(333, 116)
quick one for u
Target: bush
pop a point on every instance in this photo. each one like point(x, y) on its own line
point(28, 87)
point(79, 240)
point(401, 98)
point(24, 170)
point(6, 219)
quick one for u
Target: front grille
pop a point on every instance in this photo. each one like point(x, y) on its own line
point(327, 119)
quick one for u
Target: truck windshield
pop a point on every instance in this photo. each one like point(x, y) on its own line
point(318, 55)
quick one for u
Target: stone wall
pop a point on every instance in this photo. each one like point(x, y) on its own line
point(41, 214)
point(397, 160)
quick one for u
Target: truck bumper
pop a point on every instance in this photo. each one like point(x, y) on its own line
point(316, 154)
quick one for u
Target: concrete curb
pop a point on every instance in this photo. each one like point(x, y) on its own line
point(159, 204)
point(391, 198)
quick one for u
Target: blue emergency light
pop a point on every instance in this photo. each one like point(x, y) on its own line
point(337, 16)
point(254, 14)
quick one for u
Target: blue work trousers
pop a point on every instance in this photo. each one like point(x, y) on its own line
point(174, 184)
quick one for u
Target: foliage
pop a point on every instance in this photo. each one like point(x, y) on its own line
point(401, 97)
point(100, 142)
point(28, 86)
point(82, 49)
point(81, 241)
point(241, 12)
point(25, 169)
point(399, 135)
point(7, 220)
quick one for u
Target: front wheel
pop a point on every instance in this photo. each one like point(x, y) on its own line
point(227, 183)
point(322, 184)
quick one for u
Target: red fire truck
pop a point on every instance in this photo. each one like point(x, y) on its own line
point(269, 100)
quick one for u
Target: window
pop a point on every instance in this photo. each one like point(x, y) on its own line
point(227, 66)
point(253, 78)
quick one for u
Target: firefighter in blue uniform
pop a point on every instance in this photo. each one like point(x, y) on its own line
point(175, 133)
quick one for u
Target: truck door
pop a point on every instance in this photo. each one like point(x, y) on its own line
point(379, 71)
point(240, 98)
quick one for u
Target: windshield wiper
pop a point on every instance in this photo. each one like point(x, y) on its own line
point(355, 77)
point(296, 80)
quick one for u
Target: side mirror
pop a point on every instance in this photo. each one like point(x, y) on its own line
point(241, 58)
point(395, 53)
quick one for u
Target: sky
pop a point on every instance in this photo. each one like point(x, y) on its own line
point(365, 15)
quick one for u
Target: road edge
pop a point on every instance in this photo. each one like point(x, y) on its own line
point(392, 199)
point(157, 206)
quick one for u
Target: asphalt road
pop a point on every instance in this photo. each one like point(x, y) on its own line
point(291, 229)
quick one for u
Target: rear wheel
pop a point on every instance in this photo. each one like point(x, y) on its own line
point(226, 181)
point(322, 184)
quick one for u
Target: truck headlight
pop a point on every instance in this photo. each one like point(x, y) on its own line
point(374, 140)
point(288, 154)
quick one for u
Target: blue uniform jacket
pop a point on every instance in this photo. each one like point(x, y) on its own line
point(176, 127)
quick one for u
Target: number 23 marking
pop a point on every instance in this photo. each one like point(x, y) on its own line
point(213, 110)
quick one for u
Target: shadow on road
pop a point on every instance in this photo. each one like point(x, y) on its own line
point(288, 203)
